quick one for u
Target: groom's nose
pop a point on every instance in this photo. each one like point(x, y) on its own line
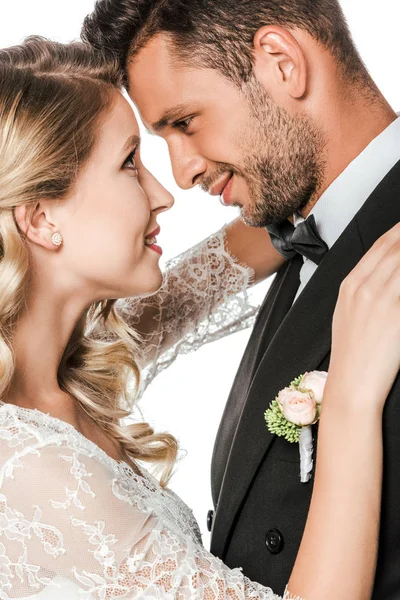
point(188, 166)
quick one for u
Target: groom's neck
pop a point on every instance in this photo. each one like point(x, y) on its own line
point(349, 124)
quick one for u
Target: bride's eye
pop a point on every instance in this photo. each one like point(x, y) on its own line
point(130, 162)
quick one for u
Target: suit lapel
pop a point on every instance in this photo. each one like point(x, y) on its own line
point(276, 310)
point(301, 343)
point(270, 317)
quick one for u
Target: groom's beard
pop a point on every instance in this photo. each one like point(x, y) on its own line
point(284, 162)
point(286, 172)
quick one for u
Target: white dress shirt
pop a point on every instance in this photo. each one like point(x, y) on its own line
point(347, 193)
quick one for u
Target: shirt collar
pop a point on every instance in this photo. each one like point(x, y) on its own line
point(347, 193)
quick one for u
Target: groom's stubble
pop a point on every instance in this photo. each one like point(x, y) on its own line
point(283, 160)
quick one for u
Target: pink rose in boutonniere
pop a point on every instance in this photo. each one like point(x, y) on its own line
point(297, 407)
point(294, 410)
point(315, 382)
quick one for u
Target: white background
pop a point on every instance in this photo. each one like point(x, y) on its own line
point(188, 399)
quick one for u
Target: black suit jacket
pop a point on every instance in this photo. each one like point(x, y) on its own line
point(255, 475)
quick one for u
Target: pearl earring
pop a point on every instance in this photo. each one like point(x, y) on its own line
point(57, 239)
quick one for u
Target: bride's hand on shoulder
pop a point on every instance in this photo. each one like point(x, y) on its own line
point(341, 536)
point(365, 357)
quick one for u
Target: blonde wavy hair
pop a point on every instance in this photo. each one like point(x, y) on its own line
point(52, 99)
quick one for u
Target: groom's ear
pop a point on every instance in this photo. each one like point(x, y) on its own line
point(280, 64)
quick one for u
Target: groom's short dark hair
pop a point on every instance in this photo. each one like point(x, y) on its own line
point(217, 34)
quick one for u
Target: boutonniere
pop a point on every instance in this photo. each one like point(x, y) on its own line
point(294, 410)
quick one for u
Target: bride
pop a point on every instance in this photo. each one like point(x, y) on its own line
point(80, 516)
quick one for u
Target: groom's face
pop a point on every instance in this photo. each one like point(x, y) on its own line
point(235, 143)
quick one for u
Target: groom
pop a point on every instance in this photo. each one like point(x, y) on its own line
point(270, 104)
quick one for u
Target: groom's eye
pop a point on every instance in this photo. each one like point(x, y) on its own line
point(183, 125)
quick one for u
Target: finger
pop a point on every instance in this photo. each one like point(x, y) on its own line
point(393, 286)
point(385, 270)
point(376, 253)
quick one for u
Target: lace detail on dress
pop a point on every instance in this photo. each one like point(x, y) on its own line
point(77, 524)
point(288, 596)
point(204, 297)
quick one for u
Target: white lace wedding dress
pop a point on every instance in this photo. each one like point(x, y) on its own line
point(77, 524)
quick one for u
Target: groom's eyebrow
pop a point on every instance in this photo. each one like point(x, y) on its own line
point(170, 115)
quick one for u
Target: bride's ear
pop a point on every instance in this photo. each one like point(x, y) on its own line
point(35, 222)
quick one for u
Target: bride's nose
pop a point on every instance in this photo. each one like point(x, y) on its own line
point(160, 199)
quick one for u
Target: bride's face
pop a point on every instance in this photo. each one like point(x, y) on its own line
point(113, 207)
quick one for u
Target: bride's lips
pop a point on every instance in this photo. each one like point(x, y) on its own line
point(150, 241)
point(154, 233)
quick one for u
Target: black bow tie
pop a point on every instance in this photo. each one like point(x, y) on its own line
point(303, 239)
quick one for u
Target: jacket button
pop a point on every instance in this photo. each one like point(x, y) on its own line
point(210, 518)
point(274, 541)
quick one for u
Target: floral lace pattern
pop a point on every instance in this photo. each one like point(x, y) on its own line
point(77, 524)
point(204, 297)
